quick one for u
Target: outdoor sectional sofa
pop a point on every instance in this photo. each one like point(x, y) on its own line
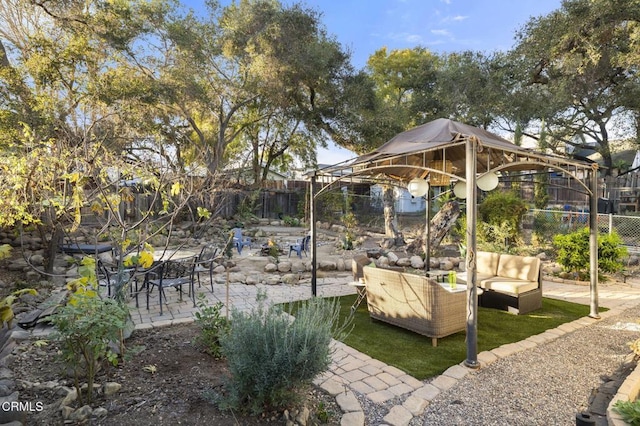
point(510, 283)
point(415, 302)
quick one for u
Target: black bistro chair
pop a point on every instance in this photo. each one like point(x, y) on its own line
point(206, 262)
point(171, 273)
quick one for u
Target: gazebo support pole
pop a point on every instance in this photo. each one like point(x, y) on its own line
point(312, 229)
point(427, 243)
point(472, 290)
point(593, 244)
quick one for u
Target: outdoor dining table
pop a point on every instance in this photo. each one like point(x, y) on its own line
point(76, 248)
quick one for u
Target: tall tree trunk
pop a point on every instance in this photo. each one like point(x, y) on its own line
point(388, 200)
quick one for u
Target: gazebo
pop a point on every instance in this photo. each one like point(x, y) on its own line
point(448, 151)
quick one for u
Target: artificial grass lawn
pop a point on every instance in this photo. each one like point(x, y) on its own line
point(414, 354)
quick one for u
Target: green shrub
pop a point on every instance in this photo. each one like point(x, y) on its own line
point(272, 356)
point(573, 252)
point(291, 221)
point(503, 212)
point(86, 326)
point(212, 325)
point(629, 410)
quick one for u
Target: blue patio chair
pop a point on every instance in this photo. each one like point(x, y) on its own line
point(240, 241)
point(302, 245)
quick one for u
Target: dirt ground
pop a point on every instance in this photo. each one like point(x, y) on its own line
point(180, 391)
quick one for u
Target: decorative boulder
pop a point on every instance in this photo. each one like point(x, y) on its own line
point(405, 261)
point(284, 266)
point(327, 265)
point(383, 261)
point(290, 279)
point(298, 267)
point(417, 262)
point(236, 277)
point(272, 279)
point(270, 267)
point(446, 265)
point(252, 280)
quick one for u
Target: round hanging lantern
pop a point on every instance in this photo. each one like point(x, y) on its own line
point(488, 181)
point(460, 190)
point(418, 187)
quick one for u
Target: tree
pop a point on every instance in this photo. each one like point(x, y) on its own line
point(580, 59)
point(63, 132)
point(475, 88)
point(299, 76)
point(402, 83)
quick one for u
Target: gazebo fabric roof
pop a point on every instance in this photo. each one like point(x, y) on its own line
point(413, 152)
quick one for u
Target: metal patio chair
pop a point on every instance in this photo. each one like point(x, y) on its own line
point(171, 273)
point(206, 262)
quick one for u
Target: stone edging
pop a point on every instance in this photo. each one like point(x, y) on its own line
point(628, 391)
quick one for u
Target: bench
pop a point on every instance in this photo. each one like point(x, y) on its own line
point(510, 283)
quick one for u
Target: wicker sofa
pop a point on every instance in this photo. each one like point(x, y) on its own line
point(415, 302)
point(510, 283)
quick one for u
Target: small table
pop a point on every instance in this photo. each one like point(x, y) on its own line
point(85, 248)
point(439, 275)
point(361, 288)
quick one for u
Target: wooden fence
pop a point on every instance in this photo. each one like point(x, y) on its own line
point(271, 204)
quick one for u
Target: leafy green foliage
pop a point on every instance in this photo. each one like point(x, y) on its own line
point(502, 213)
point(629, 410)
point(212, 325)
point(291, 221)
point(85, 329)
point(6, 305)
point(573, 252)
point(350, 223)
point(5, 251)
point(581, 52)
point(272, 356)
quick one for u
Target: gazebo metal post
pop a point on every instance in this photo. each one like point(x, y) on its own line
point(593, 243)
point(312, 246)
point(472, 292)
point(427, 243)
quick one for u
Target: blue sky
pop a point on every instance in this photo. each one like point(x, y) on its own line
point(442, 26)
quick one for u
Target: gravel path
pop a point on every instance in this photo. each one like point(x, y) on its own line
point(546, 385)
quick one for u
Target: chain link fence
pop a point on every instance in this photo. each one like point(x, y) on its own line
point(545, 224)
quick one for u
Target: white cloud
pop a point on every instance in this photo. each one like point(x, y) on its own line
point(406, 37)
point(460, 18)
point(413, 38)
point(441, 33)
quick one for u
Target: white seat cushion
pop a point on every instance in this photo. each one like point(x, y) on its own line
point(461, 277)
point(508, 285)
point(487, 263)
point(518, 267)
